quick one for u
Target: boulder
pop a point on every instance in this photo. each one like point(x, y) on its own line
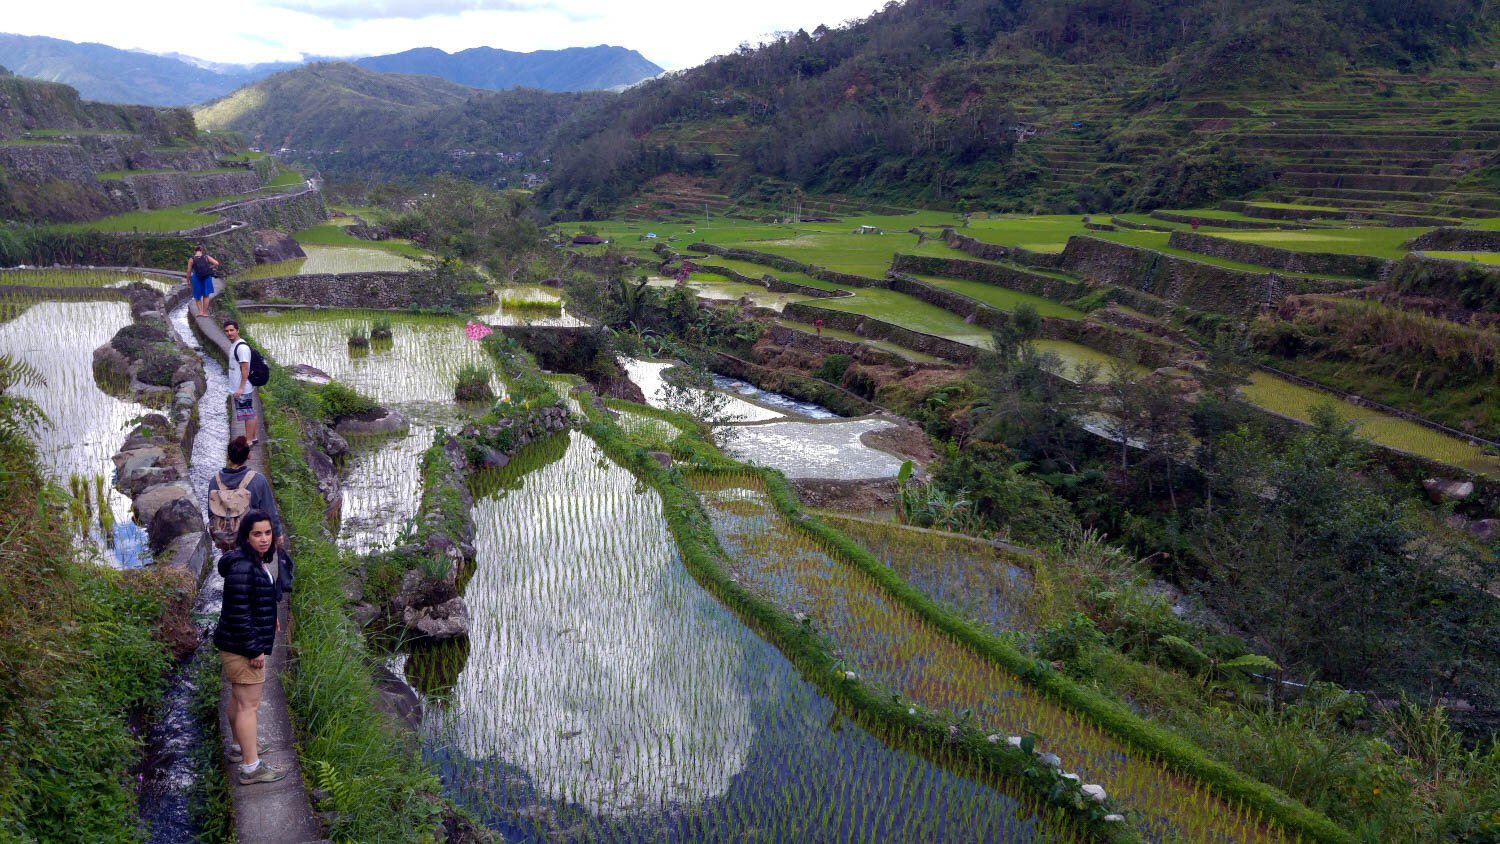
point(327, 477)
point(145, 477)
point(448, 620)
point(272, 246)
point(147, 503)
point(1485, 529)
point(177, 517)
point(492, 459)
point(663, 458)
point(310, 374)
point(111, 364)
point(139, 458)
point(376, 421)
point(1441, 490)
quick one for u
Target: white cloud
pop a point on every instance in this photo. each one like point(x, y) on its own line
point(672, 33)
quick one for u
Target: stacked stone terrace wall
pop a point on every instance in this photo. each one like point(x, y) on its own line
point(1360, 266)
point(877, 329)
point(1000, 275)
point(166, 190)
point(380, 290)
point(1179, 281)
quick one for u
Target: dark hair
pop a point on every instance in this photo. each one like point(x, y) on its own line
point(239, 450)
point(229, 322)
point(198, 247)
point(248, 521)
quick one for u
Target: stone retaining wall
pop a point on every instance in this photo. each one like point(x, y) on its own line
point(166, 190)
point(1000, 275)
point(1456, 240)
point(1148, 351)
point(996, 252)
point(1473, 286)
point(974, 312)
point(785, 264)
point(1177, 280)
point(1216, 222)
point(286, 211)
point(881, 330)
point(801, 387)
point(791, 338)
point(383, 290)
point(1360, 266)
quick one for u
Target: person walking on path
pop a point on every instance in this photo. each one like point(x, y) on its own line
point(244, 394)
point(236, 473)
point(200, 270)
point(244, 636)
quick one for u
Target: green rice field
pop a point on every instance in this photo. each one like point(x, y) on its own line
point(604, 695)
point(333, 259)
point(1002, 298)
point(889, 645)
point(1471, 257)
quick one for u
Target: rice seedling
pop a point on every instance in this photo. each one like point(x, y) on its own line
point(889, 644)
point(357, 339)
point(983, 582)
point(380, 328)
point(85, 423)
point(604, 695)
point(83, 277)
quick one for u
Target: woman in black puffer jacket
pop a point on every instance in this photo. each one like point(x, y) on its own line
point(244, 636)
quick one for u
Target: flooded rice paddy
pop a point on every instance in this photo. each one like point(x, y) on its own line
point(85, 424)
point(529, 305)
point(660, 393)
point(332, 259)
point(888, 644)
point(604, 695)
point(799, 449)
point(414, 374)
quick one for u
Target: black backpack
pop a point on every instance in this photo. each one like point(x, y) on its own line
point(201, 267)
point(259, 372)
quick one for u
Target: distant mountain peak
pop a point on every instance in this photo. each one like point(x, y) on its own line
point(110, 74)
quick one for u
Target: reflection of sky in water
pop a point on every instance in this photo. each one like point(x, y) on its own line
point(87, 424)
point(647, 375)
point(585, 626)
point(608, 697)
point(814, 449)
point(795, 407)
point(414, 375)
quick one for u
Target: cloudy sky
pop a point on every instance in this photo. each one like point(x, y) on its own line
point(672, 33)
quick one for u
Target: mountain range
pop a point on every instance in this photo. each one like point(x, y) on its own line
point(109, 74)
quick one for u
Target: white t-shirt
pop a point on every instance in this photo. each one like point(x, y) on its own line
point(241, 355)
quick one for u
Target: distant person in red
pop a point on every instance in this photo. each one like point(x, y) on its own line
point(1195, 223)
point(818, 324)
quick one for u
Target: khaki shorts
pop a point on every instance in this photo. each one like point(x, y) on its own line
point(238, 671)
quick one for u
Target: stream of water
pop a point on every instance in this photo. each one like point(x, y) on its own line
point(171, 741)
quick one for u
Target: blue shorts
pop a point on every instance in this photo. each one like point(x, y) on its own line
point(203, 286)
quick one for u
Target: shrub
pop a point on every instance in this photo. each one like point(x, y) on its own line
point(357, 338)
point(832, 368)
point(474, 384)
point(380, 329)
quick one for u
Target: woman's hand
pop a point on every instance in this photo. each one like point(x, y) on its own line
point(258, 662)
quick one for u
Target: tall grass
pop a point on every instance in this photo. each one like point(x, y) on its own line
point(379, 788)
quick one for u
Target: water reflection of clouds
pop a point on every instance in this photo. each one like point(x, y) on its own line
point(86, 425)
point(815, 450)
point(647, 374)
point(596, 663)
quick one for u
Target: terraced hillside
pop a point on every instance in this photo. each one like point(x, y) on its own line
point(1137, 292)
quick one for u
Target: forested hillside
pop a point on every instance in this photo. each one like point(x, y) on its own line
point(574, 69)
point(348, 120)
point(943, 100)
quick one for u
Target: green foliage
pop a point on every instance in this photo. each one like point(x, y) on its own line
point(832, 368)
point(1068, 641)
point(332, 691)
point(336, 400)
point(1004, 495)
point(473, 383)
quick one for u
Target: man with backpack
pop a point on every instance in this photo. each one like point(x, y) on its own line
point(252, 373)
point(200, 270)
